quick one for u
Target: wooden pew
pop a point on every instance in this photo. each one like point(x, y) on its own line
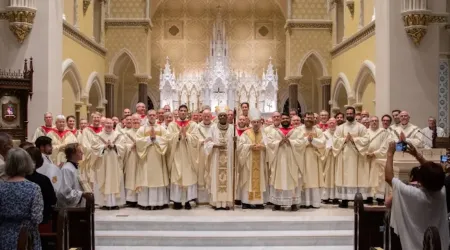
point(80, 229)
point(369, 225)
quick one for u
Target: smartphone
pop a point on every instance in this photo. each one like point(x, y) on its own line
point(401, 146)
point(444, 158)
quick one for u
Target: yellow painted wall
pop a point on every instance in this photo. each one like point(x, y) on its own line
point(69, 11)
point(352, 23)
point(368, 11)
point(369, 96)
point(350, 63)
point(86, 61)
point(68, 107)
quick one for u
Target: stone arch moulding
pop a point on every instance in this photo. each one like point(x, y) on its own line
point(94, 81)
point(150, 93)
point(367, 69)
point(119, 55)
point(285, 95)
point(342, 81)
point(319, 63)
point(70, 69)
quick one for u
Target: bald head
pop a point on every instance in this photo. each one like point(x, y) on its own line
point(140, 108)
point(365, 114)
point(332, 124)
point(404, 117)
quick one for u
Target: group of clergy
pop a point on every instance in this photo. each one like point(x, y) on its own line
point(151, 158)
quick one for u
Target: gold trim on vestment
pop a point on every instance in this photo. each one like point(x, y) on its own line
point(255, 194)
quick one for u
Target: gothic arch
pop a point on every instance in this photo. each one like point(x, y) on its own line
point(70, 70)
point(94, 81)
point(317, 61)
point(150, 94)
point(367, 70)
point(285, 95)
point(120, 55)
point(342, 82)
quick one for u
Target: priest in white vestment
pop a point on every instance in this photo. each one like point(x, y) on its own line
point(45, 129)
point(90, 137)
point(311, 163)
point(276, 122)
point(44, 144)
point(431, 132)
point(253, 180)
point(378, 144)
point(329, 164)
point(60, 138)
point(182, 159)
point(349, 147)
point(131, 160)
point(285, 146)
point(240, 129)
point(168, 118)
point(407, 132)
point(71, 191)
point(108, 151)
point(221, 168)
point(71, 125)
point(203, 160)
point(152, 179)
point(141, 110)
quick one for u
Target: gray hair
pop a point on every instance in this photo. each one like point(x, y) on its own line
point(167, 114)
point(18, 163)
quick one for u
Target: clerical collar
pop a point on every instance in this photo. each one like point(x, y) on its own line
point(75, 164)
point(222, 126)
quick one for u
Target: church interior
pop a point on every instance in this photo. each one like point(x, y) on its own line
point(105, 56)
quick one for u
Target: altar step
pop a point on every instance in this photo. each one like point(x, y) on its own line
point(228, 248)
point(207, 229)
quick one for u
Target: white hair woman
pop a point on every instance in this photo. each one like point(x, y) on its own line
point(20, 201)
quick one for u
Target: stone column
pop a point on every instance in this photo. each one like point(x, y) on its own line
point(78, 106)
point(110, 81)
point(334, 111)
point(293, 82)
point(88, 112)
point(358, 107)
point(408, 58)
point(100, 109)
point(142, 81)
point(325, 83)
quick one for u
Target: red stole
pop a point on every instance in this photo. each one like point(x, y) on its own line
point(159, 122)
point(240, 131)
point(74, 132)
point(96, 129)
point(182, 123)
point(61, 134)
point(285, 131)
point(142, 116)
point(323, 126)
point(47, 129)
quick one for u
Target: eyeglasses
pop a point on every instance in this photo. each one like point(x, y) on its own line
point(386, 120)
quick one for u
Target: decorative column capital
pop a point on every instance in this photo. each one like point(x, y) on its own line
point(293, 80)
point(351, 7)
point(78, 106)
point(111, 79)
point(100, 109)
point(416, 24)
point(142, 79)
point(21, 20)
point(325, 81)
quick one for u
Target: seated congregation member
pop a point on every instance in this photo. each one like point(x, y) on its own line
point(253, 181)
point(44, 144)
point(72, 188)
point(220, 147)
point(21, 202)
point(48, 193)
point(6, 144)
point(152, 177)
point(108, 152)
point(414, 209)
point(284, 147)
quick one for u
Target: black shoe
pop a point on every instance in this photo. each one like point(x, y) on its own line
point(294, 208)
point(245, 206)
point(105, 208)
point(335, 201)
point(276, 208)
point(131, 204)
point(326, 201)
point(187, 206)
point(303, 206)
point(237, 202)
point(165, 206)
point(177, 205)
point(227, 208)
point(269, 203)
point(369, 201)
point(259, 206)
point(343, 204)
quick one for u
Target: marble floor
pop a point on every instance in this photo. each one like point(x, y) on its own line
point(327, 228)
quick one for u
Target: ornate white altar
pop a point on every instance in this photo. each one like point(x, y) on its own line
point(219, 84)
